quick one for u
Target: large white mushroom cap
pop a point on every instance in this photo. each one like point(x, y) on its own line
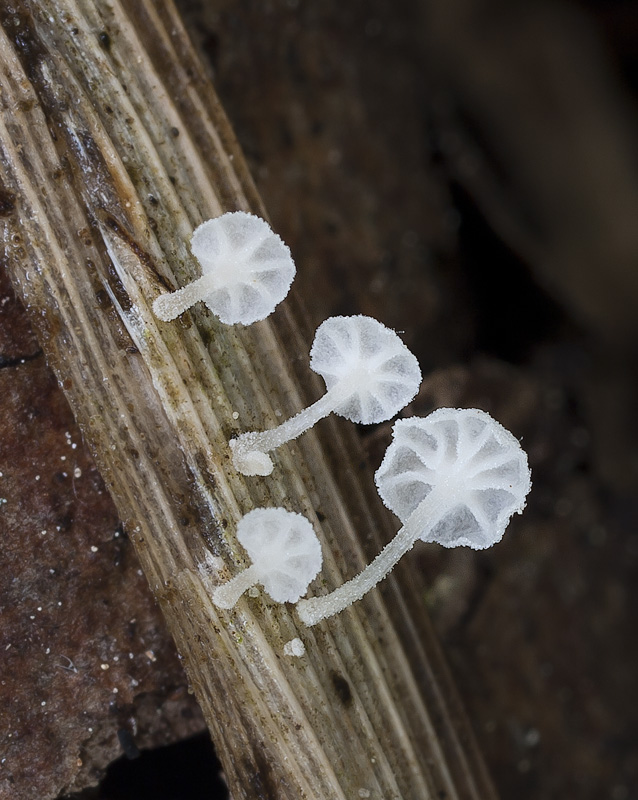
point(455, 477)
point(252, 266)
point(369, 358)
point(478, 467)
point(284, 549)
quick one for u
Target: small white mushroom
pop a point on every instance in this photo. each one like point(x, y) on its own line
point(247, 270)
point(454, 477)
point(370, 375)
point(285, 552)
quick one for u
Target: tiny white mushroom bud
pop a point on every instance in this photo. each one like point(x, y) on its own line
point(454, 477)
point(295, 647)
point(246, 271)
point(370, 375)
point(285, 554)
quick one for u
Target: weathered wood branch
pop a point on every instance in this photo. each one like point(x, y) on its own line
point(113, 148)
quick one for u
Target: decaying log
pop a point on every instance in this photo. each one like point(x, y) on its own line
point(113, 148)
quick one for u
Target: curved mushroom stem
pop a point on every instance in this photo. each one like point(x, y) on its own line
point(226, 595)
point(315, 609)
point(250, 449)
point(169, 306)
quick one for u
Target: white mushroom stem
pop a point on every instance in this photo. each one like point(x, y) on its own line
point(249, 449)
point(226, 595)
point(427, 513)
point(169, 306)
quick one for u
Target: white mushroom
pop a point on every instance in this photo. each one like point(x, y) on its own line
point(370, 376)
point(285, 552)
point(454, 477)
point(247, 270)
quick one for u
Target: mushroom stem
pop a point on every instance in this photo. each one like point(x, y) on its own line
point(250, 449)
point(314, 609)
point(169, 306)
point(226, 595)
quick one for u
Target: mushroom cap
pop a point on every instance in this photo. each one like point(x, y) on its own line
point(478, 467)
point(284, 548)
point(253, 266)
point(384, 375)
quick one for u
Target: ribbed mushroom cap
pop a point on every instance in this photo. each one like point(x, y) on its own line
point(284, 548)
point(252, 266)
point(478, 468)
point(383, 374)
